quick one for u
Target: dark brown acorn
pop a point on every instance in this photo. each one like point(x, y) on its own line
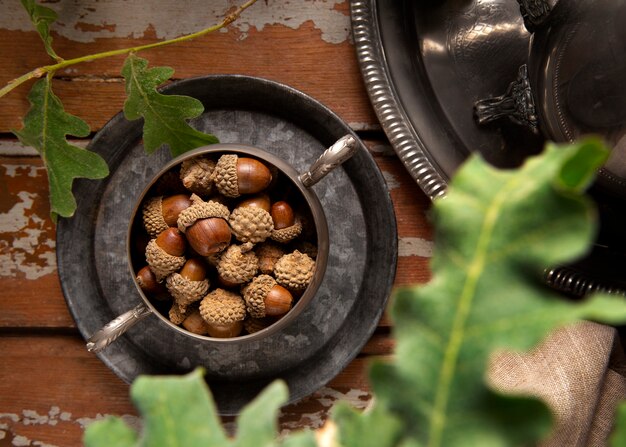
point(209, 236)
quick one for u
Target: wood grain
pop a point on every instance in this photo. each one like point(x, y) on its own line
point(95, 90)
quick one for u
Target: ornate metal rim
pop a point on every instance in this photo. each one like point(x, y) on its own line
point(404, 140)
point(407, 143)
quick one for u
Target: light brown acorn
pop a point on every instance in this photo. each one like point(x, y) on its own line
point(159, 213)
point(264, 297)
point(234, 175)
point(205, 225)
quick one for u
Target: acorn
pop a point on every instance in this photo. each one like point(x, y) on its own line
point(264, 297)
point(294, 271)
point(164, 254)
point(237, 265)
point(258, 200)
point(234, 175)
point(224, 312)
point(251, 224)
point(176, 314)
point(195, 323)
point(268, 253)
point(205, 225)
point(197, 175)
point(286, 227)
point(146, 280)
point(159, 213)
point(190, 284)
point(307, 248)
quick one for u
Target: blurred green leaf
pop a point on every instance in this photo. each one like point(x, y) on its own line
point(375, 428)
point(618, 437)
point(496, 233)
point(177, 411)
point(110, 432)
point(45, 127)
point(165, 116)
point(257, 424)
point(42, 17)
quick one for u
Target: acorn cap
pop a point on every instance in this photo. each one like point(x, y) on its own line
point(254, 294)
point(222, 307)
point(288, 234)
point(294, 271)
point(200, 210)
point(251, 224)
point(238, 264)
point(177, 315)
point(268, 253)
point(161, 262)
point(197, 175)
point(184, 290)
point(307, 248)
point(152, 214)
point(225, 175)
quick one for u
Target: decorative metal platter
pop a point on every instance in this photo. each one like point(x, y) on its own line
point(425, 64)
point(98, 285)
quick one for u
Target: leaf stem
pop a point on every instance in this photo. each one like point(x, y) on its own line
point(40, 71)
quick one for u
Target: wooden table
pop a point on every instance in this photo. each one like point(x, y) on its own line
point(51, 387)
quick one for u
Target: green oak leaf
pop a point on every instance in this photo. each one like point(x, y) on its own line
point(496, 232)
point(165, 116)
point(618, 437)
point(42, 17)
point(177, 411)
point(376, 427)
point(257, 423)
point(45, 127)
point(110, 432)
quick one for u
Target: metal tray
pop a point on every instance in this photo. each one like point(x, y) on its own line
point(424, 65)
point(97, 283)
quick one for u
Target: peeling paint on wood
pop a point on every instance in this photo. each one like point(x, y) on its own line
point(26, 245)
point(85, 21)
point(10, 424)
point(390, 179)
point(415, 246)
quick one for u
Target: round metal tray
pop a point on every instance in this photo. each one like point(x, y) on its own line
point(97, 283)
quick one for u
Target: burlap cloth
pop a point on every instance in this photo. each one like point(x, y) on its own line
point(579, 371)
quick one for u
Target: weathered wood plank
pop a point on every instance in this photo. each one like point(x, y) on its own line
point(52, 388)
point(327, 70)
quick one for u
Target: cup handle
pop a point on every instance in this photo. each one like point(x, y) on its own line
point(112, 330)
point(344, 148)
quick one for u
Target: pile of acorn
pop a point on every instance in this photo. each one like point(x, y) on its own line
point(224, 245)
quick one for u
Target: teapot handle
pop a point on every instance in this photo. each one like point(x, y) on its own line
point(535, 12)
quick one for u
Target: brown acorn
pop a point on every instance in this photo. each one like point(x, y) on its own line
point(294, 271)
point(224, 312)
point(250, 224)
point(147, 281)
point(205, 225)
point(189, 285)
point(209, 236)
point(165, 253)
point(260, 201)
point(195, 323)
point(234, 175)
point(171, 241)
point(282, 215)
point(286, 226)
point(237, 265)
point(172, 206)
point(264, 297)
